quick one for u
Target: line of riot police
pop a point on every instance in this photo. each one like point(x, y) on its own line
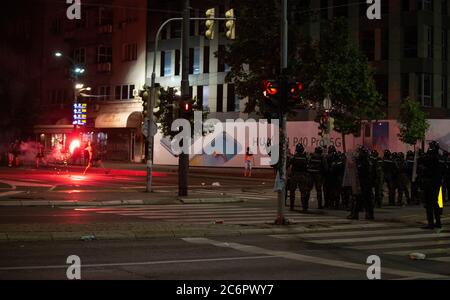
point(355, 181)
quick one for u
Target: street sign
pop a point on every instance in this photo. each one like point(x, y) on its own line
point(79, 114)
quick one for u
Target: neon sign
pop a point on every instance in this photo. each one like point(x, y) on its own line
point(79, 114)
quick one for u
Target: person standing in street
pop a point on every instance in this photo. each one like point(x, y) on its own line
point(90, 152)
point(378, 182)
point(317, 169)
point(389, 176)
point(249, 161)
point(432, 182)
point(365, 177)
point(299, 177)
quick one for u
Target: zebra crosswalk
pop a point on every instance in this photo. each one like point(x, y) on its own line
point(381, 238)
point(238, 194)
point(212, 213)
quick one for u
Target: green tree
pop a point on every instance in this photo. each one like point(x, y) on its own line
point(344, 74)
point(412, 121)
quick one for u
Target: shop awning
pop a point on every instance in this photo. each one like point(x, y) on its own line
point(118, 120)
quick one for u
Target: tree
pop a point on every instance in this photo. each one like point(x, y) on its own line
point(345, 76)
point(412, 121)
point(165, 114)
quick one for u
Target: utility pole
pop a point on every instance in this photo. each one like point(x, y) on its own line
point(281, 219)
point(183, 160)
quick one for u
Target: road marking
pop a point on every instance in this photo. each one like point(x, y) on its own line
point(424, 251)
point(350, 233)
point(441, 259)
point(9, 193)
point(402, 245)
point(148, 263)
point(382, 238)
point(310, 259)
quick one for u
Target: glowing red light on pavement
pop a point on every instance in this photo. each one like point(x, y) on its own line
point(74, 144)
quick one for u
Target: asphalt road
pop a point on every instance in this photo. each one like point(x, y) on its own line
point(229, 258)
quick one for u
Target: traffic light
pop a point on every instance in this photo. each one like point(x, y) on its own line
point(295, 89)
point(271, 90)
point(157, 104)
point(230, 25)
point(187, 109)
point(209, 33)
point(145, 96)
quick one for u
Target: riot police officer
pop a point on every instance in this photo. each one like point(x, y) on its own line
point(402, 179)
point(432, 180)
point(378, 180)
point(364, 172)
point(446, 185)
point(299, 177)
point(410, 156)
point(317, 168)
point(389, 175)
point(333, 178)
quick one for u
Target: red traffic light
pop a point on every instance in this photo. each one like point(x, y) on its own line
point(270, 87)
point(187, 106)
point(294, 89)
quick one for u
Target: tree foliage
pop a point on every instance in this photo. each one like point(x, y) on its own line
point(412, 121)
point(164, 110)
point(333, 66)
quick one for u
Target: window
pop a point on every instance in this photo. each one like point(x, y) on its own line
point(444, 100)
point(105, 16)
point(200, 95)
point(205, 59)
point(131, 90)
point(79, 55)
point(429, 31)
point(175, 30)
point(444, 45)
point(104, 54)
point(384, 44)
point(232, 99)
point(368, 44)
point(124, 92)
point(177, 62)
point(381, 83)
point(410, 42)
point(219, 98)
point(405, 5)
point(324, 9)
point(425, 5)
point(221, 61)
point(425, 88)
point(104, 93)
point(404, 86)
point(56, 26)
point(166, 63)
point(205, 99)
point(194, 61)
point(129, 52)
point(340, 8)
point(117, 93)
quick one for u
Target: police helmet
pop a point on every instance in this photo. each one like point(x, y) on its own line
point(331, 149)
point(299, 148)
point(375, 153)
point(434, 146)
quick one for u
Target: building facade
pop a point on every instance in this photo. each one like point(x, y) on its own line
point(109, 43)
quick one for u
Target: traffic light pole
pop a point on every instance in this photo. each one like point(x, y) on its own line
point(281, 219)
point(183, 163)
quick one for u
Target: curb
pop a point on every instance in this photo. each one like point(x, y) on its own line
point(34, 203)
point(210, 200)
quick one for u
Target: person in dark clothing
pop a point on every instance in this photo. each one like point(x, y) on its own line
point(432, 181)
point(299, 177)
point(317, 168)
point(446, 185)
point(402, 179)
point(365, 177)
point(378, 182)
point(389, 176)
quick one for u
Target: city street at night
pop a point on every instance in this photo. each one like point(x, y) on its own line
point(224, 147)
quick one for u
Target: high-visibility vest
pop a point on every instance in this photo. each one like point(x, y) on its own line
point(440, 199)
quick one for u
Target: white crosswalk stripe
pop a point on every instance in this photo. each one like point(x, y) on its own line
point(381, 238)
point(240, 195)
point(212, 213)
